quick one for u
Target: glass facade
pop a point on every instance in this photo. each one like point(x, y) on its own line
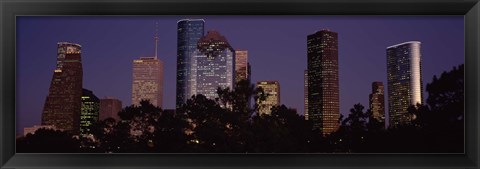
point(63, 103)
point(212, 66)
point(90, 111)
point(147, 81)
point(323, 85)
point(377, 102)
point(272, 89)
point(404, 77)
point(188, 33)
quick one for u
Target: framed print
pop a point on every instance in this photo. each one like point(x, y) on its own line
point(251, 84)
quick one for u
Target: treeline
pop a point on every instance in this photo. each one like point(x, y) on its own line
point(229, 125)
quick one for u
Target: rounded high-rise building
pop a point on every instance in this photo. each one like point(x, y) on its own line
point(404, 78)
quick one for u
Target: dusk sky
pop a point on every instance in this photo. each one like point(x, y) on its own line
point(277, 48)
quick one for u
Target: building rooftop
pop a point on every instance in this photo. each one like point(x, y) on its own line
point(404, 43)
point(68, 43)
point(187, 19)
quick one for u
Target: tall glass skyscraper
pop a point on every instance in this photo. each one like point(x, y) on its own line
point(189, 31)
point(89, 112)
point(323, 85)
point(404, 75)
point(212, 66)
point(63, 103)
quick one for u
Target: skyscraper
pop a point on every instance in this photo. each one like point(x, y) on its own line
point(305, 94)
point(404, 75)
point(272, 89)
point(377, 102)
point(212, 66)
point(241, 66)
point(63, 103)
point(323, 88)
point(89, 112)
point(109, 108)
point(189, 31)
point(147, 81)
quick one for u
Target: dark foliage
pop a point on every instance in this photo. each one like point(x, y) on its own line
point(48, 141)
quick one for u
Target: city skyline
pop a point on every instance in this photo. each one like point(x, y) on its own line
point(253, 56)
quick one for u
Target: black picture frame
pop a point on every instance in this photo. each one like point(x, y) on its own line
point(9, 9)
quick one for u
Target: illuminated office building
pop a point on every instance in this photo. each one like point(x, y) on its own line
point(242, 67)
point(305, 94)
point(148, 79)
point(63, 103)
point(404, 75)
point(109, 108)
point(323, 85)
point(89, 112)
point(377, 102)
point(272, 89)
point(189, 31)
point(212, 66)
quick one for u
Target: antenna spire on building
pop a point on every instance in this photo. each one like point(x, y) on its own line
point(156, 39)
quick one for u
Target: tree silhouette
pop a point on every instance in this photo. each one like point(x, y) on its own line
point(207, 124)
point(352, 134)
point(446, 96)
point(442, 121)
point(48, 141)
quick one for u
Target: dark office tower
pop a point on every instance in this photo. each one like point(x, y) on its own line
point(89, 112)
point(323, 88)
point(63, 103)
point(109, 108)
point(241, 65)
point(377, 102)
point(212, 66)
point(189, 31)
point(404, 75)
point(305, 93)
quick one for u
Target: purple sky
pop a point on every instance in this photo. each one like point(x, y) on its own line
point(276, 45)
